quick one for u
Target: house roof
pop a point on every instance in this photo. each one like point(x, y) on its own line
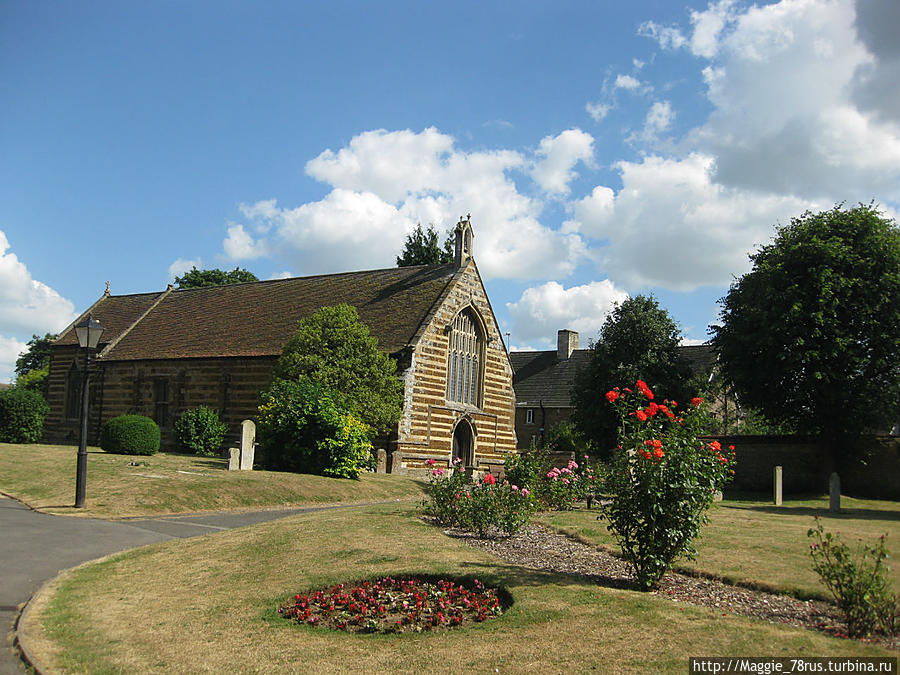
point(542, 378)
point(257, 319)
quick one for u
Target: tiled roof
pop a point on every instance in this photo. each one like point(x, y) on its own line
point(539, 377)
point(257, 319)
point(116, 313)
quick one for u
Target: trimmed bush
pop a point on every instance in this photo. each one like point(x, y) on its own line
point(200, 431)
point(130, 435)
point(302, 429)
point(22, 414)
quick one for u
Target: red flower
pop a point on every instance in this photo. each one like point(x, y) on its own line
point(645, 390)
point(658, 453)
point(641, 415)
point(715, 446)
point(696, 402)
point(489, 479)
point(612, 395)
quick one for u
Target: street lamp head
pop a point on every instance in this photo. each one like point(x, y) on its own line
point(89, 332)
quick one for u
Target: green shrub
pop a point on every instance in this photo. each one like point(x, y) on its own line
point(480, 507)
point(302, 429)
point(859, 582)
point(22, 413)
point(661, 480)
point(200, 431)
point(130, 435)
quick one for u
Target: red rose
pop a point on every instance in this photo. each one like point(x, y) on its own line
point(612, 395)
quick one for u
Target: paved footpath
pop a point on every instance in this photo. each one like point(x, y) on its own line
point(35, 547)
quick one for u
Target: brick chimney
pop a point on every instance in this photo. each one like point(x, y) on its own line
point(566, 342)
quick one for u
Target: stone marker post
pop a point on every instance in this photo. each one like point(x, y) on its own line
point(778, 486)
point(248, 444)
point(834, 493)
point(381, 453)
point(234, 459)
point(397, 463)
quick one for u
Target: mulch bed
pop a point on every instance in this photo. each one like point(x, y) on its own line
point(539, 548)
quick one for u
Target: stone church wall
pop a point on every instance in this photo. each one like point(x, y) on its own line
point(160, 389)
point(426, 428)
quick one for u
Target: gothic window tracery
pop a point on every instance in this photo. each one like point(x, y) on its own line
point(465, 360)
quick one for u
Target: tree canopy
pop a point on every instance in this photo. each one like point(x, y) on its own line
point(214, 277)
point(421, 248)
point(810, 335)
point(334, 348)
point(638, 341)
point(37, 354)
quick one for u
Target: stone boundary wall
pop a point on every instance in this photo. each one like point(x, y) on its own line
point(807, 466)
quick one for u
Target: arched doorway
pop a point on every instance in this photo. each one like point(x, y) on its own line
point(464, 443)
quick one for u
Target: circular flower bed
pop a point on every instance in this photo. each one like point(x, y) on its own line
point(401, 605)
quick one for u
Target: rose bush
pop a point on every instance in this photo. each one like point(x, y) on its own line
point(662, 479)
point(454, 500)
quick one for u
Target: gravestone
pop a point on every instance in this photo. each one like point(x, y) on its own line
point(382, 461)
point(234, 459)
point(778, 481)
point(834, 493)
point(248, 444)
point(397, 462)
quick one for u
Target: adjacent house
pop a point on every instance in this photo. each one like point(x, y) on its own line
point(543, 382)
point(163, 353)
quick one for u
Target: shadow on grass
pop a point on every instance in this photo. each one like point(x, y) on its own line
point(844, 513)
point(513, 575)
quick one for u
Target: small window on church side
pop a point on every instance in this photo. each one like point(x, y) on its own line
point(529, 416)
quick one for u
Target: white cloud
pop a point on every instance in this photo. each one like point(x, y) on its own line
point(557, 157)
point(627, 82)
point(10, 348)
point(383, 183)
point(708, 26)
point(671, 226)
point(668, 37)
point(28, 306)
point(597, 111)
point(543, 310)
point(181, 266)
point(239, 245)
point(803, 116)
point(659, 119)
point(803, 97)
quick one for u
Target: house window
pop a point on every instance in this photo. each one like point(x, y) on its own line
point(465, 360)
point(161, 402)
point(73, 393)
point(529, 416)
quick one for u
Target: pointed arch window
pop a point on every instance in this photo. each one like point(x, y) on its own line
point(73, 392)
point(465, 359)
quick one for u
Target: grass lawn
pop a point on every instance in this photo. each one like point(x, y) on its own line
point(43, 476)
point(208, 605)
point(758, 543)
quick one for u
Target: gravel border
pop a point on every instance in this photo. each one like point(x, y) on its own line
point(540, 548)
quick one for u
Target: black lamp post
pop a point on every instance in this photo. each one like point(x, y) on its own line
point(88, 332)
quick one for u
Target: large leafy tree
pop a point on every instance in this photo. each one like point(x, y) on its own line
point(214, 277)
point(37, 354)
point(421, 248)
point(638, 341)
point(334, 348)
point(810, 335)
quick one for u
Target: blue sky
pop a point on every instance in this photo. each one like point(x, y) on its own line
point(602, 148)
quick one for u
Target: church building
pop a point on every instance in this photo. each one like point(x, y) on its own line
point(164, 353)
